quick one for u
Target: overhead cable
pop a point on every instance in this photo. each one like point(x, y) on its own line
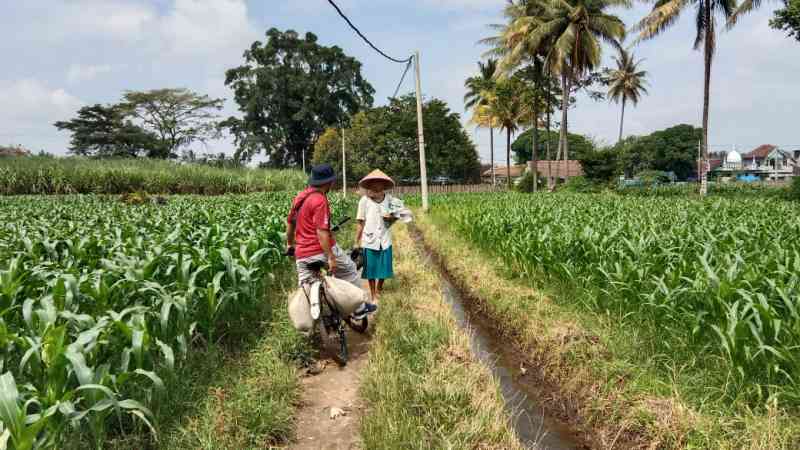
point(365, 38)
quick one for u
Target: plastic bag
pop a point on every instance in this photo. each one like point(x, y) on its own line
point(347, 297)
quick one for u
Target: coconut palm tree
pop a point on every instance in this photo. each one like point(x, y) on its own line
point(665, 13)
point(508, 107)
point(477, 87)
point(567, 32)
point(626, 82)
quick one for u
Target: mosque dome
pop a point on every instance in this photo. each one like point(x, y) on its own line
point(734, 157)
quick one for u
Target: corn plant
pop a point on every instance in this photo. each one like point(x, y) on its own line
point(720, 274)
point(100, 301)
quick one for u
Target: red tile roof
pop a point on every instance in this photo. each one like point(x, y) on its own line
point(568, 169)
point(501, 171)
point(759, 152)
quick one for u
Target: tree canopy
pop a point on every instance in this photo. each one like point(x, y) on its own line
point(671, 150)
point(106, 131)
point(155, 124)
point(289, 90)
point(386, 137)
point(178, 117)
point(788, 18)
point(522, 147)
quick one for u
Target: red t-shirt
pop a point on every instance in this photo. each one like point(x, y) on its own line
point(314, 214)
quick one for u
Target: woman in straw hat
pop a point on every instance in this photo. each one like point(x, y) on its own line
point(372, 232)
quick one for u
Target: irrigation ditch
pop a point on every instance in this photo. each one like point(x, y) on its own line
point(538, 422)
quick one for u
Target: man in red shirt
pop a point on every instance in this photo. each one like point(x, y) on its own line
point(308, 233)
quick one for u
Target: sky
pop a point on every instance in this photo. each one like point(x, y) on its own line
point(59, 55)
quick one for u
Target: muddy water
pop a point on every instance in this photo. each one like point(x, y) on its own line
point(529, 419)
point(531, 423)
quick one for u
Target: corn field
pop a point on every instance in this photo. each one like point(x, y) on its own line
point(720, 275)
point(76, 175)
point(100, 301)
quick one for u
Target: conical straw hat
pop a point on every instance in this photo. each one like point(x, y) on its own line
point(376, 177)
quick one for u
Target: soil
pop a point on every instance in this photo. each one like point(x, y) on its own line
point(326, 387)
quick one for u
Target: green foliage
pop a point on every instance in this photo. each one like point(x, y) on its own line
point(166, 120)
point(653, 177)
point(178, 117)
point(290, 89)
point(709, 277)
point(76, 175)
point(579, 146)
point(106, 131)
point(100, 302)
point(525, 183)
point(788, 18)
point(601, 166)
point(581, 184)
point(794, 189)
point(671, 150)
point(386, 138)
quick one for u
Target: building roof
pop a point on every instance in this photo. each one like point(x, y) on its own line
point(759, 152)
point(566, 169)
point(501, 171)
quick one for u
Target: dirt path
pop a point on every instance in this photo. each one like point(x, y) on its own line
point(334, 387)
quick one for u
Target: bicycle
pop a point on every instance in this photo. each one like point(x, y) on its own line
point(331, 320)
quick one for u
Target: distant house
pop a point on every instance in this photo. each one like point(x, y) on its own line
point(765, 162)
point(13, 151)
point(563, 170)
point(501, 173)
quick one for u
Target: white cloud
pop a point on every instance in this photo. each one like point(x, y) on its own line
point(30, 98)
point(79, 72)
point(207, 26)
point(30, 108)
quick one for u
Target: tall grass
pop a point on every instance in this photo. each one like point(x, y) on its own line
point(74, 175)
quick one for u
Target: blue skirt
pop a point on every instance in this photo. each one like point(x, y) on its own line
point(377, 264)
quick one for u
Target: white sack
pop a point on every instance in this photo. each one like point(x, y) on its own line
point(300, 312)
point(346, 296)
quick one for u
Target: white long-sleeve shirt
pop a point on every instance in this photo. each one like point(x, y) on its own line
point(376, 234)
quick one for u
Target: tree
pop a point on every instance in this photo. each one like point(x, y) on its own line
point(178, 117)
point(666, 12)
point(601, 166)
point(626, 82)
point(290, 90)
point(508, 105)
point(670, 150)
point(788, 18)
point(580, 145)
point(105, 131)
point(477, 88)
point(386, 138)
point(567, 32)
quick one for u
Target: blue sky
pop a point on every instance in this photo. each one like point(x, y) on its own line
point(60, 54)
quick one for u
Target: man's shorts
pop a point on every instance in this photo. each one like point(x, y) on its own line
point(345, 267)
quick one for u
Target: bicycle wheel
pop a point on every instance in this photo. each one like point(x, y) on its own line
point(359, 326)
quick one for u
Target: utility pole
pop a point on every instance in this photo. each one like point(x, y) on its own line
point(422, 166)
point(304, 160)
point(344, 167)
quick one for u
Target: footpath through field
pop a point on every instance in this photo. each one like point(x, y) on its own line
point(412, 384)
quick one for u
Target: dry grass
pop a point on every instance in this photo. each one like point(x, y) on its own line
point(424, 387)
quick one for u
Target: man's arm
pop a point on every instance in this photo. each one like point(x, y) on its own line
point(359, 232)
point(290, 234)
point(324, 237)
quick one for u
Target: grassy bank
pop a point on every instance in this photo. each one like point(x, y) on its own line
point(423, 387)
point(74, 175)
point(598, 363)
point(239, 393)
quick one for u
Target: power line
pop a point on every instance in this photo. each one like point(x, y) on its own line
point(407, 60)
point(408, 66)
